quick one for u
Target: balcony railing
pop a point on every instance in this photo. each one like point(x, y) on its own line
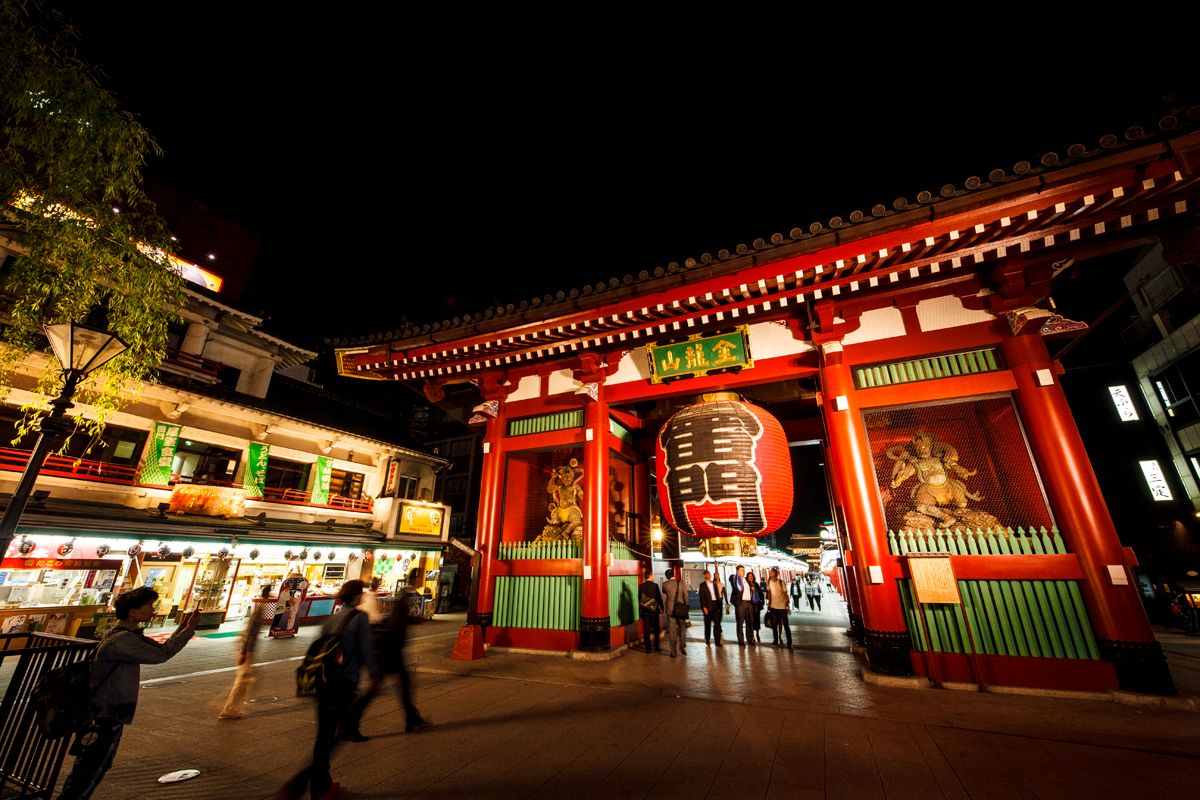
point(12, 460)
point(67, 467)
point(191, 361)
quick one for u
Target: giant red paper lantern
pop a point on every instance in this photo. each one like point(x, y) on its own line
point(724, 470)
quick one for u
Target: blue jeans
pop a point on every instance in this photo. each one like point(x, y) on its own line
point(94, 761)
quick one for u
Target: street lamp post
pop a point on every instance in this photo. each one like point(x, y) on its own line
point(79, 351)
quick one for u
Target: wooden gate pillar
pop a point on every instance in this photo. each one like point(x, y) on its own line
point(491, 503)
point(885, 631)
point(594, 624)
point(1122, 629)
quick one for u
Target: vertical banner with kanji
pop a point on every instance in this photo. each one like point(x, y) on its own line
point(156, 470)
point(256, 470)
point(320, 491)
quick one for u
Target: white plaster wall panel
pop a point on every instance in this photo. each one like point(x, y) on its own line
point(528, 388)
point(876, 324)
point(633, 366)
point(562, 381)
point(940, 313)
point(768, 340)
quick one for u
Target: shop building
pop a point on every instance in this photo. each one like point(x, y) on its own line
point(228, 474)
point(911, 340)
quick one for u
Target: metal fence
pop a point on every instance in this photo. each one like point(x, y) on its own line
point(29, 763)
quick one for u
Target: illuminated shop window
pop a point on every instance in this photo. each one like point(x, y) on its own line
point(1178, 387)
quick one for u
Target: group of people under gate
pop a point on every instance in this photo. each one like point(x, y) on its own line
point(371, 645)
point(751, 601)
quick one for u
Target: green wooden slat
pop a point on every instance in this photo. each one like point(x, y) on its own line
point(1073, 628)
point(1013, 600)
point(908, 600)
point(990, 358)
point(972, 366)
point(1085, 624)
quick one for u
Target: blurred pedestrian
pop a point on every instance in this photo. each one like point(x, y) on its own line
point(116, 676)
point(650, 606)
point(757, 604)
point(813, 592)
point(675, 598)
point(743, 606)
point(245, 677)
point(353, 629)
point(390, 638)
point(710, 606)
point(777, 605)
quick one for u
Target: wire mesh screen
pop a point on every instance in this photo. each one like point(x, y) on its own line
point(955, 465)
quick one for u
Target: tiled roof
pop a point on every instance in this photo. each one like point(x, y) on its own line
point(1170, 122)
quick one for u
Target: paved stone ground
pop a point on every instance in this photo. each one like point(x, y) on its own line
point(746, 722)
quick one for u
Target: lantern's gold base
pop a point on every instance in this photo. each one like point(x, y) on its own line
point(729, 546)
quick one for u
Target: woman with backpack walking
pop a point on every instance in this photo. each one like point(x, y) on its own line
point(116, 675)
point(350, 631)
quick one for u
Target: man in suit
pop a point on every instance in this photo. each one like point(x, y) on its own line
point(710, 606)
point(741, 596)
point(675, 598)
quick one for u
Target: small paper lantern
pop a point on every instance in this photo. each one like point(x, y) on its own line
point(724, 470)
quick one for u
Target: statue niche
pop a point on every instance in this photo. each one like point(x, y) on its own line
point(940, 498)
point(566, 519)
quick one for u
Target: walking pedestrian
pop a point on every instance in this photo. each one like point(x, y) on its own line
point(650, 604)
point(675, 598)
point(710, 606)
point(757, 604)
point(777, 604)
point(245, 676)
point(353, 629)
point(814, 594)
point(796, 591)
point(389, 639)
point(116, 673)
point(742, 598)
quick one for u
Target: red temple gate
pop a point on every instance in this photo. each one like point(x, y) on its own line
point(922, 330)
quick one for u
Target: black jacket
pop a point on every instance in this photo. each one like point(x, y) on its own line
point(649, 589)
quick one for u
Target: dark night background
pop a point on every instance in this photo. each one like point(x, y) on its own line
point(400, 166)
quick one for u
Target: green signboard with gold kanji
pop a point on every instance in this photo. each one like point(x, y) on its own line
point(700, 355)
point(256, 469)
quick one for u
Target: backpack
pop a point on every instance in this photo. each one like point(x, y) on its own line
point(61, 697)
point(317, 671)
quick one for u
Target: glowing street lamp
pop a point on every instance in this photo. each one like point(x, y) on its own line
point(80, 350)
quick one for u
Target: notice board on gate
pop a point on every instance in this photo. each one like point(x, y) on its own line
point(933, 578)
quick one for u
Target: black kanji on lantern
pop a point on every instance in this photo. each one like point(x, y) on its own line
point(709, 452)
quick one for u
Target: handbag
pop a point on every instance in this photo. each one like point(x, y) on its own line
point(680, 609)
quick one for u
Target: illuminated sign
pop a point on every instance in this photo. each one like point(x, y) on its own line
point(1123, 402)
point(256, 469)
point(156, 471)
point(208, 501)
point(59, 563)
point(421, 520)
point(1156, 480)
point(196, 274)
point(700, 355)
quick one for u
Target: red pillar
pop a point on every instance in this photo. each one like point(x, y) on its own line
point(884, 630)
point(488, 532)
point(594, 619)
point(1122, 629)
point(846, 563)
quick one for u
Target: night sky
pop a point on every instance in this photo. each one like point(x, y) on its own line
point(396, 166)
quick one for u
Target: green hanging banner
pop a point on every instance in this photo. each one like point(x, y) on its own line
point(256, 470)
point(320, 492)
point(156, 469)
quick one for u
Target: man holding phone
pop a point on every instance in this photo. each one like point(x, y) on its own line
point(116, 677)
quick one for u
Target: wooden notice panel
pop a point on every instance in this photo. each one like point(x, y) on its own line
point(933, 578)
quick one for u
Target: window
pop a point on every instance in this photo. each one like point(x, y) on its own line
point(1177, 386)
point(408, 487)
point(455, 486)
point(229, 377)
point(205, 462)
point(283, 474)
point(345, 484)
point(117, 445)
